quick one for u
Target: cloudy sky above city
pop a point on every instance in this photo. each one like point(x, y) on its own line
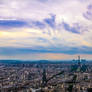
point(45, 29)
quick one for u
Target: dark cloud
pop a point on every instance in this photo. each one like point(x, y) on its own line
point(12, 23)
point(88, 14)
point(19, 23)
point(38, 24)
point(39, 49)
point(50, 21)
point(73, 29)
point(90, 6)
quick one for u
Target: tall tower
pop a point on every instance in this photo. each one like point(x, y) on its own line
point(79, 61)
point(79, 64)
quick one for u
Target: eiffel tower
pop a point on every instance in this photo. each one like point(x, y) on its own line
point(79, 64)
point(79, 61)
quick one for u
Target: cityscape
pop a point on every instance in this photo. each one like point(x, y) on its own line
point(46, 76)
point(45, 45)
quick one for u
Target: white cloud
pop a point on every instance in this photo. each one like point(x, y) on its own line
point(33, 9)
point(68, 11)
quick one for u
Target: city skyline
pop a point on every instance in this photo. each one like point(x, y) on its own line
point(45, 29)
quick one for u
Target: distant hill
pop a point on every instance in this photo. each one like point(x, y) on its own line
point(36, 61)
point(10, 61)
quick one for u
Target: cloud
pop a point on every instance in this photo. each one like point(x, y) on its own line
point(20, 24)
point(38, 40)
point(12, 23)
point(43, 1)
point(88, 14)
point(51, 21)
point(71, 29)
point(46, 26)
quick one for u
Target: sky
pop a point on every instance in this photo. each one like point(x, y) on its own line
point(45, 29)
